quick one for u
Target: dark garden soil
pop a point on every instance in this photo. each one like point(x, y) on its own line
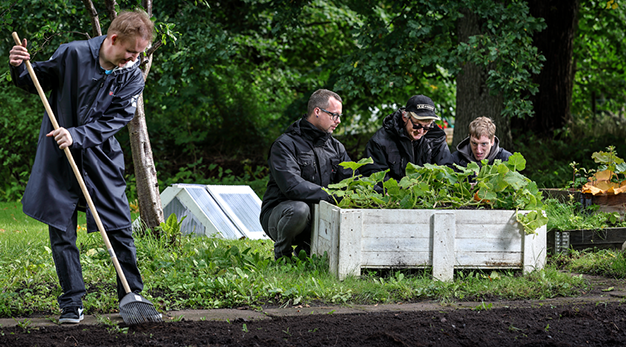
point(547, 323)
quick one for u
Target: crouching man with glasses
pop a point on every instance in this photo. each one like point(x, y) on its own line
point(409, 135)
point(302, 161)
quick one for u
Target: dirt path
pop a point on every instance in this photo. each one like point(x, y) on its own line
point(597, 318)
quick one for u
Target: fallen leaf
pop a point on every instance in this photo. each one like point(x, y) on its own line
point(606, 185)
point(602, 175)
point(620, 190)
point(589, 188)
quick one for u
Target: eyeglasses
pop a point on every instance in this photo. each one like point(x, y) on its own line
point(418, 126)
point(333, 116)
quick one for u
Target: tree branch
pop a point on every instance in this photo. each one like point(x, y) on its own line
point(147, 6)
point(110, 5)
point(154, 48)
point(93, 15)
point(46, 40)
point(8, 9)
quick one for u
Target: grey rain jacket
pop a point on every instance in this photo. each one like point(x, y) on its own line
point(464, 155)
point(302, 161)
point(391, 148)
point(92, 106)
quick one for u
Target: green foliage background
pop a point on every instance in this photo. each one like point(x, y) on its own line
point(239, 72)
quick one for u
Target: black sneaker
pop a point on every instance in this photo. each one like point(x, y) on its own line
point(72, 315)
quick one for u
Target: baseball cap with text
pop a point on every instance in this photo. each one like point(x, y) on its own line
point(421, 107)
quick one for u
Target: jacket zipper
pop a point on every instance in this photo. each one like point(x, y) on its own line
point(95, 96)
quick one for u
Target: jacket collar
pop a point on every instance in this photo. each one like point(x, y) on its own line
point(308, 131)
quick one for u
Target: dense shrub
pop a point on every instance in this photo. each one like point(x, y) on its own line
point(21, 121)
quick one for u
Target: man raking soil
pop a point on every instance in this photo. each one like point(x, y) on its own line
point(94, 86)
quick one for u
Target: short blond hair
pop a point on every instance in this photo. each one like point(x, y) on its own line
point(132, 23)
point(482, 126)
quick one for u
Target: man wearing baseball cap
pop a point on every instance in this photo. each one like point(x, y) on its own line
point(409, 135)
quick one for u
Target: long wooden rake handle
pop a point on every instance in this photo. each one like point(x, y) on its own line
point(79, 177)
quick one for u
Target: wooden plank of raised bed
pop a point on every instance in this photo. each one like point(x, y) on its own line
point(489, 230)
point(444, 233)
point(485, 217)
point(489, 245)
point(405, 259)
point(399, 230)
point(493, 259)
point(395, 245)
point(608, 200)
point(349, 244)
point(380, 216)
point(534, 249)
point(326, 239)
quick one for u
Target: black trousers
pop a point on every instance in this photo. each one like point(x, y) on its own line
point(289, 224)
point(69, 271)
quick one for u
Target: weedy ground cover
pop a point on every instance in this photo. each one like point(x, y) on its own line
point(570, 215)
point(606, 262)
point(203, 272)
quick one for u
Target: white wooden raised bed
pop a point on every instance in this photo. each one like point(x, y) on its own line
point(442, 239)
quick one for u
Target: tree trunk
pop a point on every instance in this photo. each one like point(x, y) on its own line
point(473, 97)
point(552, 104)
point(148, 196)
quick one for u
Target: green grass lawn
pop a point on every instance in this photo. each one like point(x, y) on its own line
point(202, 272)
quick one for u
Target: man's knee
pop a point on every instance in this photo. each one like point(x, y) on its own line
point(301, 211)
point(288, 219)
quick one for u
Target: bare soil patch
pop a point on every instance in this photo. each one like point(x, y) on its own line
point(598, 321)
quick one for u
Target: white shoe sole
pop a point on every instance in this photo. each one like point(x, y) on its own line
point(71, 320)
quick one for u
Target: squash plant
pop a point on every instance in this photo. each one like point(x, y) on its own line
point(497, 186)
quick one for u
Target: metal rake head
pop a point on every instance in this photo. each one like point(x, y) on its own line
point(135, 309)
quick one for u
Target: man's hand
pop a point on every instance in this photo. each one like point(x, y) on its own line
point(62, 137)
point(18, 54)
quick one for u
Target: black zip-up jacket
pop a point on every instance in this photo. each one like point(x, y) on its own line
point(92, 106)
point(302, 161)
point(391, 148)
point(463, 154)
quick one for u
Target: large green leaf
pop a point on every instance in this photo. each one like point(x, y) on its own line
point(516, 162)
point(515, 179)
point(355, 166)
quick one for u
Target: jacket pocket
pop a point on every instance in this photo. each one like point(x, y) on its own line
point(307, 168)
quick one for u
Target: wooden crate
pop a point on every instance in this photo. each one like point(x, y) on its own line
point(445, 240)
point(608, 238)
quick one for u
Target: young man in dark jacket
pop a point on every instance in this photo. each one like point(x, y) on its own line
point(408, 135)
point(94, 86)
point(302, 161)
point(482, 143)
